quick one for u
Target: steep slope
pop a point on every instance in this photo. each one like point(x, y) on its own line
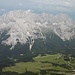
point(20, 26)
point(38, 31)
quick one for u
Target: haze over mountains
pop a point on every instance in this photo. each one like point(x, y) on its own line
point(20, 26)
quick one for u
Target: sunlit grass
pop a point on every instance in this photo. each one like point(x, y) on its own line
point(40, 63)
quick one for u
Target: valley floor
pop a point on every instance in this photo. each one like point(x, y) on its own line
point(54, 64)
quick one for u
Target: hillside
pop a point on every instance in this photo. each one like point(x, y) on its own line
point(27, 31)
point(54, 64)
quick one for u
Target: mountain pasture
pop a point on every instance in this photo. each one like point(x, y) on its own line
point(53, 63)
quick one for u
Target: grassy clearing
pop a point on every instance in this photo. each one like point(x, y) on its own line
point(40, 63)
point(50, 58)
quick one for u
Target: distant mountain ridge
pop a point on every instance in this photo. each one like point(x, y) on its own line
point(37, 30)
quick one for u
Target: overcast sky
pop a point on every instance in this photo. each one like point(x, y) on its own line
point(39, 6)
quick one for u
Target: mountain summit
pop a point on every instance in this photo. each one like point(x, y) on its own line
point(25, 27)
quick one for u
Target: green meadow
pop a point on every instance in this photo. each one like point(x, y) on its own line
point(53, 64)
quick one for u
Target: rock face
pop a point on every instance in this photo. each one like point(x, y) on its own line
point(24, 27)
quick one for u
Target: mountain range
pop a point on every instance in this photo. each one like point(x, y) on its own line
point(22, 31)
